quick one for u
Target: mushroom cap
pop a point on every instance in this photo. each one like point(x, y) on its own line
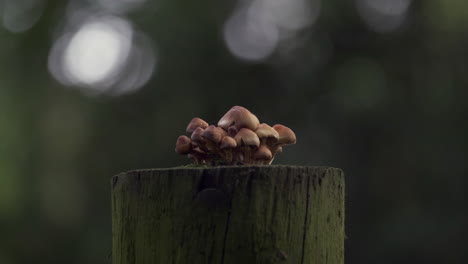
point(246, 137)
point(228, 142)
point(213, 134)
point(239, 117)
point(196, 123)
point(266, 131)
point(262, 153)
point(279, 149)
point(183, 145)
point(197, 135)
point(286, 135)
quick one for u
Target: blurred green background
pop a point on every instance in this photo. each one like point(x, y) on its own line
point(91, 88)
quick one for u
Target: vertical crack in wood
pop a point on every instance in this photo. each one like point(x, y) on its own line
point(226, 232)
point(226, 229)
point(305, 220)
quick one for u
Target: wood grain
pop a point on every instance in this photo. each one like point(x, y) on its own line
point(229, 215)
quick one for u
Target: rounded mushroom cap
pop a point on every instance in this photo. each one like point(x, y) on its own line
point(196, 123)
point(197, 135)
point(266, 131)
point(239, 117)
point(228, 142)
point(286, 135)
point(213, 134)
point(279, 149)
point(262, 153)
point(183, 145)
point(246, 137)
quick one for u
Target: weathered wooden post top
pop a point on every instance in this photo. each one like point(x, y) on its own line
point(233, 206)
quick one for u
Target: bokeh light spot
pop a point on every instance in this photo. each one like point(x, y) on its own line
point(257, 28)
point(120, 6)
point(250, 37)
point(20, 15)
point(383, 15)
point(97, 50)
point(105, 55)
point(290, 14)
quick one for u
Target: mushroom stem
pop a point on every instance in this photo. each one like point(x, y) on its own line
point(227, 156)
point(275, 149)
point(199, 154)
point(212, 147)
point(270, 160)
point(238, 158)
point(247, 154)
point(271, 144)
point(196, 159)
point(226, 148)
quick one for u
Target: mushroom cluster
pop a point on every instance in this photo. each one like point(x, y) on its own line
point(239, 139)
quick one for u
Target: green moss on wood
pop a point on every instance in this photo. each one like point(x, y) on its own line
point(243, 214)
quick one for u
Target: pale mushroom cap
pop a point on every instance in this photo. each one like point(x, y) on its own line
point(286, 135)
point(279, 149)
point(197, 135)
point(213, 134)
point(246, 137)
point(239, 117)
point(183, 145)
point(262, 153)
point(276, 149)
point(196, 123)
point(266, 131)
point(228, 142)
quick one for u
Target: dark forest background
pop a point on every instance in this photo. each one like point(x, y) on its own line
point(378, 88)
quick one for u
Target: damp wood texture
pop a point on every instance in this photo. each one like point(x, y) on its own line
point(230, 215)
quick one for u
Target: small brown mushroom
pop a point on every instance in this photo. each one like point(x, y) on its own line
point(286, 135)
point(228, 144)
point(213, 134)
point(196, 123)
point(263, 155)
point(247, 141)
point(197, 136)
point(236, 118)
point(267, 134)
point(277, 149)
point(183, 145)
point(198, 140)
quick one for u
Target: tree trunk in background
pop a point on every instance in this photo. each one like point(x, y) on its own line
point(230, 215)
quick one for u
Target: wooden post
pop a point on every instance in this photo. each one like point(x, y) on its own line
point(230, 215)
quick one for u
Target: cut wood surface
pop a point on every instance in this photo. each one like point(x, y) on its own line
point(230, 215)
